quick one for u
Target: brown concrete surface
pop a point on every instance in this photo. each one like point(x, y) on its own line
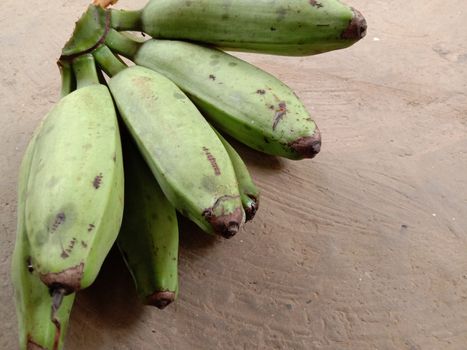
point(364, 247)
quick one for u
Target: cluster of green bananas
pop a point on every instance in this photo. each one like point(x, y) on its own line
point(157, 126)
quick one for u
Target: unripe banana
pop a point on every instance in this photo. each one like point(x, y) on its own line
point(240, 99)
point(183, 152)
point(42, 318)
point(249, 193)
point(74, 203)
point(148, 237)
point(283, 27)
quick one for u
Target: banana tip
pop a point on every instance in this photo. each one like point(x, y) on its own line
point(308, 146)
point(68, 280)
point(161, 299)
point(225, 225)
point(250, 210)
point(356, 29)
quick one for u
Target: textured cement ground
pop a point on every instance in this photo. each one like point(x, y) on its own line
point(364, 247)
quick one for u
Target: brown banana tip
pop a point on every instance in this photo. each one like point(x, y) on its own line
point(250, 211)
point(308, 146)
point(225, 225)
point(68, 280)
point(161, 299)
point(356, 29)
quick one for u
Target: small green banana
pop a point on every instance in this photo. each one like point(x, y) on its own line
point(249, 193)
point(282, 27)
point(74, 201)
point(42, 317)
point(148, 237)
point(183, 152)
point(240, 99)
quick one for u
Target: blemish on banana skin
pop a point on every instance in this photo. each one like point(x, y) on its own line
point(212, 160)
point(97, 182)
point(315, 4)
point(280, 113)
point(59, 219)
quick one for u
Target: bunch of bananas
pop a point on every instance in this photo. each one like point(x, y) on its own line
point(168, 111)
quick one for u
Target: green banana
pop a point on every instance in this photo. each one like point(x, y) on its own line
point(282, 27)
point(42, 321)
point(74, 205)
point(249, 193)
point(148, 237)
point(42, 318)
point(240, 99)
point(183, 152)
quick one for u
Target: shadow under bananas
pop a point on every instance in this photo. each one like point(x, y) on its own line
point(112, 298)
point(256, 159)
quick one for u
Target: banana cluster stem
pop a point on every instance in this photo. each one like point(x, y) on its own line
point(107, 60)
point(126, 20)
point(84, 68)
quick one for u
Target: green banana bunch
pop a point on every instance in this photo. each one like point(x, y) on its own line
point(74, 205)
point(249, 193)
point(240, 99)
point(281, 27)
point(148, 237)
point(42, 317)
point(183, 152)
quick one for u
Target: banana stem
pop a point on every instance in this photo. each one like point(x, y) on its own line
point(109, 63)
point(68, 79)
point(122, 44)
point(85, 71)
point(126, 20)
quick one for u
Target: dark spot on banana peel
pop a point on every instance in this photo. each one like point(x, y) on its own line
point(160, 299)
point(280, 113)
point(212, 77)
point(32, 345)
point(64, 254)
point(69, 280)
point(97, 181)
point(59, 219)
point(315, 4)
point(91, 227)
point(251, 210)
point(114, 157)
point(84, 244)
point(308, 146)
point(225, 225)
point(212, 160)
point(29, 264)
point(273, 29)
point(356, 29)
point(260, 92)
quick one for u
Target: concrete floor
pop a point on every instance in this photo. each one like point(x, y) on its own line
point(364, 247)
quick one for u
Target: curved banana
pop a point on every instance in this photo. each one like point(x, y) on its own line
point(282, 27)
point(183, 152)
point(74, 205)
point(148, 237)
point(42, 318)
point(240, 99)
point(249, 193)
